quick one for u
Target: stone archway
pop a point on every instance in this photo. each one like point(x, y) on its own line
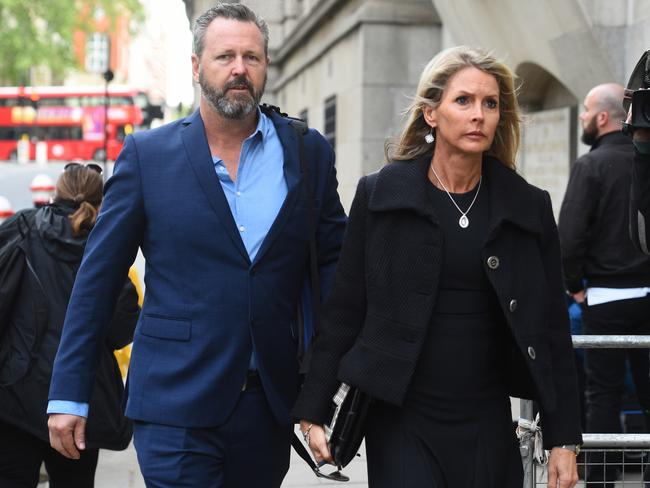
point(540, 90)
point(549, 133)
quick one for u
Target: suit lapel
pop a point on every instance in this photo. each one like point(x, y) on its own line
point(291, 168)
point(200, 159)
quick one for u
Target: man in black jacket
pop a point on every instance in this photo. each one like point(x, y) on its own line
point(602, 269)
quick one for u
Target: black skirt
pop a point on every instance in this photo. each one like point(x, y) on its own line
point(405, 450)
point(455, 427)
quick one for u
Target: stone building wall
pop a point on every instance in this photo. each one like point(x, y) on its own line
point(369, 53)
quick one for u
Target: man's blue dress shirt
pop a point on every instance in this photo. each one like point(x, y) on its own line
point(255, 199)
point(259, 189)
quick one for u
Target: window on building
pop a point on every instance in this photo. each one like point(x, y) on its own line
point(330, 120)
point(304, 115)
point(97, 52)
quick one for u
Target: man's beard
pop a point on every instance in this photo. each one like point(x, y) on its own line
point(590, 133)
point(236, 107)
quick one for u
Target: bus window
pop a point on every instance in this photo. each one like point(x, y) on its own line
point(120, 100)
point(8, 134)
point(11, 102)
point(73, 102)
point(62, 133)
point(51, 102)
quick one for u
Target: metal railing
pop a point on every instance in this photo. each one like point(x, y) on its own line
point(619, 445)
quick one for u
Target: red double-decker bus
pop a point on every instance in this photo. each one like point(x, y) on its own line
point(70, 120)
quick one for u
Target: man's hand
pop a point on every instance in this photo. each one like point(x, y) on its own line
point(579, 297)
point(562, 469)
point(317, 441)
point(67, 434)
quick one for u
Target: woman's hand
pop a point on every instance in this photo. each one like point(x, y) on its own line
point(579, 297)
point(562, 469)
point(315, 437)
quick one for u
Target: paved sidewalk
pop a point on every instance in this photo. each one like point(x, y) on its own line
point(300, 475)
point(120, 470)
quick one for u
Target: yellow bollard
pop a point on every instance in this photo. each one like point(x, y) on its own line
point(123, 356)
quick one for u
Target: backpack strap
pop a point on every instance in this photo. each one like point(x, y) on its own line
point(24, 237)
point(303, 341)
point(304, 352)
point(301, 129)
point(304, 338)
point(22, 221)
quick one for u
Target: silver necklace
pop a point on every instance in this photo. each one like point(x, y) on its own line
point(463, 221)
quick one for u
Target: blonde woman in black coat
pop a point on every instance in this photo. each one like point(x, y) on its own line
point(448, 297)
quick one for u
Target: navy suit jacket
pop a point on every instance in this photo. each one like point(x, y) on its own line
point(206, 304)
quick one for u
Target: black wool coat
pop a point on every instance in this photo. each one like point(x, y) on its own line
point(376, 317)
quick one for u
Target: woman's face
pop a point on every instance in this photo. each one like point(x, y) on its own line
point(468, 114)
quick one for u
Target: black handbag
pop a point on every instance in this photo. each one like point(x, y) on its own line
point(346, 428)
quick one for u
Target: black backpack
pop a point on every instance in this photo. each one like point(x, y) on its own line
point(13, 262)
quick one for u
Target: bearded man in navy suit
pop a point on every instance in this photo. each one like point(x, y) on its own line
point(219, 206)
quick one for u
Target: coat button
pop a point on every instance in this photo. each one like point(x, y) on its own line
point(531, 353)
point(493, 262)
point(513, 305)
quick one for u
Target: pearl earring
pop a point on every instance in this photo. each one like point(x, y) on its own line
point(430, 137)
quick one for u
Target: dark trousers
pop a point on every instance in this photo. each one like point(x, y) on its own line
point(605, 372)
point(21, 455)
point(251, 450)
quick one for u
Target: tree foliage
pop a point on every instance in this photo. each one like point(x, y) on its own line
point(40, 32)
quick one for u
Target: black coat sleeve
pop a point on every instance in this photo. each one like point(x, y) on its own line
point(342, 318)
point(562, 425)
point(576, 217)
point(640, 202)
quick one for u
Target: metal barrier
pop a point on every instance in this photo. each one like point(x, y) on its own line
point(628, 452)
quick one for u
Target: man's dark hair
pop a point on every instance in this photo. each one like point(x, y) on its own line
point(236, 11)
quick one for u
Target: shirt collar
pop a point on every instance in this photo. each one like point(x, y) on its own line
point(261, 132)
point(262, 127)
point(614, 137)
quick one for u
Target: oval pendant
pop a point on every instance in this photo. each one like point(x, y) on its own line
point(463, 221)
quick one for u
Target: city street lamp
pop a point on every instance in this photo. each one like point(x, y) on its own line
point(108, 77)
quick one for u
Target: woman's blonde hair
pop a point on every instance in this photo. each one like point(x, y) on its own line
point(433, 82)
point(81, 186)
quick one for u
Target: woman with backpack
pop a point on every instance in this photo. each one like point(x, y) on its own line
point(52, 240)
